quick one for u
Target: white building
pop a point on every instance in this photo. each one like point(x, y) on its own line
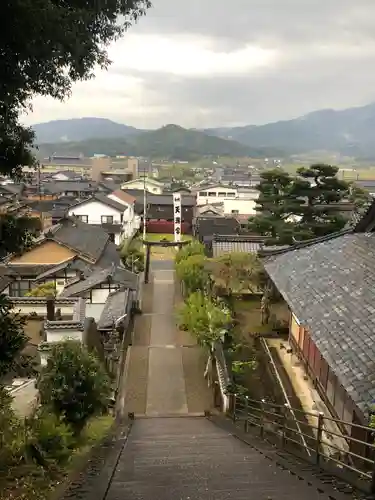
point(150, 185)
point(114, 213)
point(235, 200)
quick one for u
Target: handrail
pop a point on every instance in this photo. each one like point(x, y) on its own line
point(277, 423)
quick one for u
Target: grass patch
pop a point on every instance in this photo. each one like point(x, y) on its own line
point(168, 237)
point(29, 481)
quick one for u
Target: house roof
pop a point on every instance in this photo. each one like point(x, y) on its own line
point(101, 198)
point(208, 226)
point(148, 180)
point(55, 187)
point(114, 273)
point(125, 197)
point(87, 240)
point(330, 287)
point(222, 244)
point(115, 306)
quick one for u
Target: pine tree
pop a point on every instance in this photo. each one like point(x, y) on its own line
point(322, 192)
point(275, 207)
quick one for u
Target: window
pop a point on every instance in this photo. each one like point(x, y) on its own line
point(236, 212)
point(19, 288)
point(212, 193)
point(221, 193)
point(231, 194)
point(203, 193)
point(107, 219)
point(83, 218)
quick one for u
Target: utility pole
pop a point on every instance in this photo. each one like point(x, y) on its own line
point(144, 207)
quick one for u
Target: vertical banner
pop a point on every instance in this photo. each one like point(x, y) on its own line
point(177, 216)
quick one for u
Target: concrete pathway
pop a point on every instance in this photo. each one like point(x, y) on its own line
point(165, 366)
point(166, 391)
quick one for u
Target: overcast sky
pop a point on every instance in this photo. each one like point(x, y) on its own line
point(202, 63)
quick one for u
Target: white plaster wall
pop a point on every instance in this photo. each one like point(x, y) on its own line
point(41, 309)
point(99, 295)
point(61, 335)
point(213, 196)
point(244, 207)
point(138, 184)
point(94, 211)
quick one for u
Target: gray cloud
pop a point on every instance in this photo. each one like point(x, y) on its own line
point(304, 79)
point(325, 59)
point(286, 21)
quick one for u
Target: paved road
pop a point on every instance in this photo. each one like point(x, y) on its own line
point(162, 265)
point(165, 368)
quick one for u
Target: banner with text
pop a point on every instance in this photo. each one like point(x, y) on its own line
point(177, 216)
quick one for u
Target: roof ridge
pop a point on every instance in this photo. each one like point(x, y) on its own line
point(304, 244)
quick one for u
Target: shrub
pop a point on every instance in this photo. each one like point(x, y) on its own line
point(51, 435)
point(133, 257)
point(193, 248)
point(43, 290)
point(193, 273)
point(206, 319)
point(12, 336)
point(74, 384)
point(11, 433)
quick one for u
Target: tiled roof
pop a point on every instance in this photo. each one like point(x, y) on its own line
point(330, 287)
point(108, 201)
point(187, 200)
point(115, 307)
point(216, 225)
point(236, 243)
point(126, 197)
point(101, 198)
point(83, 238)
point(98, 276)
point(62, 186)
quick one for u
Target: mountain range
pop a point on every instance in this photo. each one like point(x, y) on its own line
point(350, 132)
point(169, 142)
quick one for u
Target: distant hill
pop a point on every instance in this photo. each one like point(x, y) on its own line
point(80, 129)
point(350, 132)
point(171, 141)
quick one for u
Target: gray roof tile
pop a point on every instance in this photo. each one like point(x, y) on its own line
point(84, 238)
point(330, 287)
point(116, 306)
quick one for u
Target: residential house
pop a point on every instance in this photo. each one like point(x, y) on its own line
point(150, 185)
point(329, 285)
point(11, 191)
point(115, 216)
point(132, 221)
point(235, 200)
point(66, 250)
point(65, 175)
point(205, 227)
point(160, 213)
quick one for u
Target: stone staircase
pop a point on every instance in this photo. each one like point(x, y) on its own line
point(184, 458)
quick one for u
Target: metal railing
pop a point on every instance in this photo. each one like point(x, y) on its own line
point(327, 442)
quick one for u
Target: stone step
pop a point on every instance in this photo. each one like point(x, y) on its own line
point(191, 458)
point(135, 380)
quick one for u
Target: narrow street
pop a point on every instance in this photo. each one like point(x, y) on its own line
point(165, 365)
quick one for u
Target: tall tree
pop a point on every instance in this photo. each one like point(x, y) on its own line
point(291, 209)
point(275, 206)
point(322, 192)
point(46, 46)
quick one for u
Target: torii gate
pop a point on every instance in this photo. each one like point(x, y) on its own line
point(161, 243)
